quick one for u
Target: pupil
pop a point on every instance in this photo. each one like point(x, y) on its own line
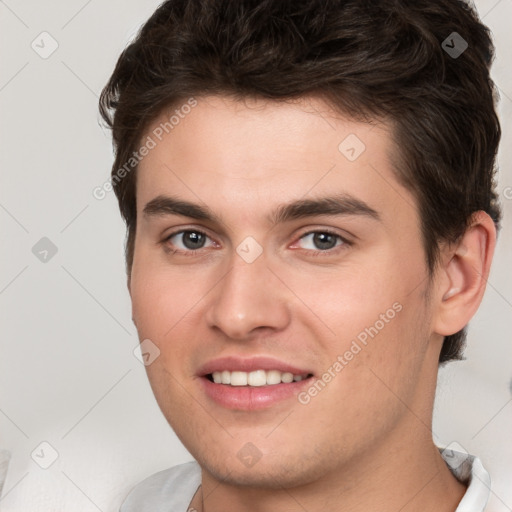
point(324, 240)
point(193, 240)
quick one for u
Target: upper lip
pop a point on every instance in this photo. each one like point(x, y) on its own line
point(249, 364)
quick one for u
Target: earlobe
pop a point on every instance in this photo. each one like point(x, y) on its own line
point(463, 276)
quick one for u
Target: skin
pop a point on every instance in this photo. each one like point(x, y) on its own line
point(364, 442)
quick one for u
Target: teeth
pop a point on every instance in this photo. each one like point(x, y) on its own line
point(256, 378)
point(238, 378)
point(273, 377)
point(287, 377)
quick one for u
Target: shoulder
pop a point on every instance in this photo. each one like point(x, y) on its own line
point(172, 488)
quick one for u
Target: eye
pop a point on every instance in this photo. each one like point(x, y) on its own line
point(321, 241)
point(189, 240)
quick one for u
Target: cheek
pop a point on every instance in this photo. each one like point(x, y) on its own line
point(351, 298)
point(370, 374)
point(166, 307)
point(161, 297)
point(375, 317)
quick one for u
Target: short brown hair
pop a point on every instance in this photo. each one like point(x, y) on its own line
point(386, 59)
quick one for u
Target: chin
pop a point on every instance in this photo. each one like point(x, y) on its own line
point(264, 474)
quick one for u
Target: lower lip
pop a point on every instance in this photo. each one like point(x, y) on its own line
point(250, 398)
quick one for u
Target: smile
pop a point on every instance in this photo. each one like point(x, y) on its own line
point(255, 378)
point(252, 383)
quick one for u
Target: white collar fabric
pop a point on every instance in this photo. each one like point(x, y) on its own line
point(469, 470)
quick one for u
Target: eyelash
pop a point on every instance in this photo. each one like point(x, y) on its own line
point(315, 253)
point(335, 250)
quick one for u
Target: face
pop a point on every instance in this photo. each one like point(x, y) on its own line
point(279, 270)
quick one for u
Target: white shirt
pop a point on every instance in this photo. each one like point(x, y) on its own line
point(172, 490)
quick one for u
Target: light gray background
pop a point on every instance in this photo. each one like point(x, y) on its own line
point(68, 375)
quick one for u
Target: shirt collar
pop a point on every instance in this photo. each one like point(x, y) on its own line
point(468, 470)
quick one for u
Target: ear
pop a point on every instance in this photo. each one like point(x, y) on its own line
point(129, 286)
point(463, 274)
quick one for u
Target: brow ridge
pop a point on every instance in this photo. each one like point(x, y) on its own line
point(340, 204)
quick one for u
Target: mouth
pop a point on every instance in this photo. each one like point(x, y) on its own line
point(255, 378)
point(252, 384)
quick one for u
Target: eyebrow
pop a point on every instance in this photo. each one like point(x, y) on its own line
point(340, 204)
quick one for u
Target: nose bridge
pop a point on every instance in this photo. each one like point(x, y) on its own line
point(248, 297)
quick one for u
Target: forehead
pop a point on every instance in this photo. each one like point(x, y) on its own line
point(246, 155)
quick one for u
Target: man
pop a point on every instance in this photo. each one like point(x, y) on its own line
point(308, 188)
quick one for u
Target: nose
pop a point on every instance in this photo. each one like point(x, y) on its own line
point(248, 298)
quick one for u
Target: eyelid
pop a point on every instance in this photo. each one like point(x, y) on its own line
point(182, 230)
point(345, 235)
point(346, 242)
